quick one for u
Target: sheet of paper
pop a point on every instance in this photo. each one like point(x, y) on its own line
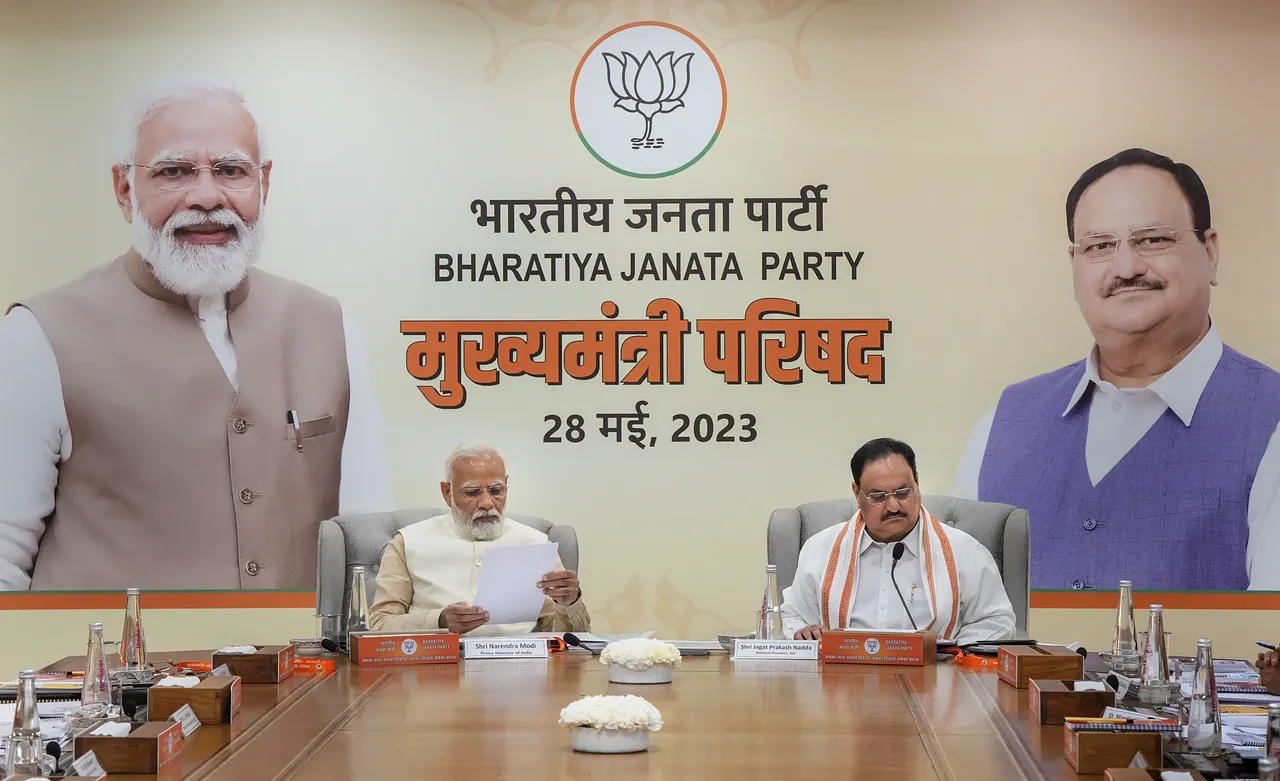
point(587, 637)
point(697, 645)
point(1234, 696)
point(623, 636)
point(1112, 712)
point(51, 726)
point(508, 587)
point(50, 682)
point(1242, 736)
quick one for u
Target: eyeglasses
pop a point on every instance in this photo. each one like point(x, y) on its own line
point(497, 491)
point(1145, 241)
point(880, 497)
point(178, 176)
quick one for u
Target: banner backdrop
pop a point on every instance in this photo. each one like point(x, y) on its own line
point(678, 260)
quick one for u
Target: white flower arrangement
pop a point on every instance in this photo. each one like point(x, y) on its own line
point(612, 712)
point(640, 653)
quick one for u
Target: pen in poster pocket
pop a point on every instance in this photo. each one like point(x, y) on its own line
point(297, 428)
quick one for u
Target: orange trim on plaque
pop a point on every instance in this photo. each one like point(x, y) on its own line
point(156, 600)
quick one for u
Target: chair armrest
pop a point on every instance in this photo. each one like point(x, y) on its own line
point(1017, 565)
point(331, 568)
point(784, 544)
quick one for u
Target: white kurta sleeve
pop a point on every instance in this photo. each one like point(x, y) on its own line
point(986, 614)
point(34, 437)
point(366, 470)
point(800, 600)
point(1264, 520)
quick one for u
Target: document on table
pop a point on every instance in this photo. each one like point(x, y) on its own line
point(52, 720)
point(508, 588)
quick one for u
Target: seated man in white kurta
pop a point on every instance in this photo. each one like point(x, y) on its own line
point(430, 569)
point(949, 582)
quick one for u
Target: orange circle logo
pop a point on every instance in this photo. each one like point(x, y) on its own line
point(648, 99)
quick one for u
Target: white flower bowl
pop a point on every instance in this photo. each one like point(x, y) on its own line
point(640, 660)
point(658, 673)
point(590, 740)
point(610, 723)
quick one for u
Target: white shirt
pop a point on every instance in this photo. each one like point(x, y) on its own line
point(431, 564)
point(35, 435)
point(985, 610)
point(1120, 417)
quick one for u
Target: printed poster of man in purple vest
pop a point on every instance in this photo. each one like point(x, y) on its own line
point(1156, 459)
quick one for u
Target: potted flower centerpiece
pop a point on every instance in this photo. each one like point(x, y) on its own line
point(611, 724)
point(640, 660)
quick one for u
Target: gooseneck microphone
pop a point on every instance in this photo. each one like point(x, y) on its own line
point(897, 554)
point(571, 639)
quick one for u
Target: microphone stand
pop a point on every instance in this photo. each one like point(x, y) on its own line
point(897, 554)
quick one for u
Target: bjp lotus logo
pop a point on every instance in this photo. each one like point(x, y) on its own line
point(648, 87)
point(627, 90)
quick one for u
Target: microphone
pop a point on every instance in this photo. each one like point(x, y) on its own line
point(571, 639)
point(897, 554)
point(330, 646)
point(54, 750)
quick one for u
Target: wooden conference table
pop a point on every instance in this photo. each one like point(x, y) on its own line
point(497, 718)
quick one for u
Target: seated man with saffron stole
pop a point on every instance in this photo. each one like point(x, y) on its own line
point(430, 570)
point(845, 576)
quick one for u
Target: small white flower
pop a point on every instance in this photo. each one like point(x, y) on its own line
point(625, 712)
point(640, 653)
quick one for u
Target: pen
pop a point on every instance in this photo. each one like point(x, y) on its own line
point(297, 428)
point(1267, 646)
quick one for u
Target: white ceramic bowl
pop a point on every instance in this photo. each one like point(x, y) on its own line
point(609, 741)
point(659, 673)
point(727, 639)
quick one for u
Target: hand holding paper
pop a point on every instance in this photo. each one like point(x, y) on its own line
point(509, 583)
point(460, 618)
point(562, 586)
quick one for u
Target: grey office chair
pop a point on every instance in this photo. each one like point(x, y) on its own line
point(1002, 528)
point(359, 538)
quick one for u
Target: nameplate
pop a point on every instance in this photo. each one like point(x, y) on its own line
point(310, 665)
point(87, 765)
point(187, 718)
point(857, 646)
point(530, 648)
point(377, 649)
point(775, 649)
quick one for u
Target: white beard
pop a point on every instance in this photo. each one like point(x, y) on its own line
point(475, 530)
point(198, 269)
